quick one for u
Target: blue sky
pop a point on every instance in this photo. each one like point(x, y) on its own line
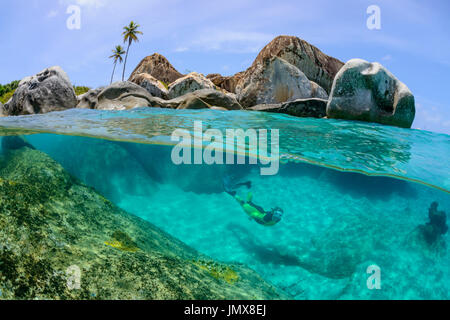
point(225, 37)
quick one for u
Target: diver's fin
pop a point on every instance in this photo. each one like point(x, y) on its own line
point(249, 197)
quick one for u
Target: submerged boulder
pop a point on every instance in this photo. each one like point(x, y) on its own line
point(313, 108)
point(151, 84)
point(59, 239)
point(274, 80)
point(47, 91)
point(369, 92)
point(158, 67)
point(190, 83)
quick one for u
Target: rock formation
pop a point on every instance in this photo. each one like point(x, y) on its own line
point(49, 90)
point(155, 87)
point(159, 67)
point(190, 83)
point(226, 83)
point(128, 95)
point(316, 65)
point(52, 228)
point(273, 81)
point(369, 92)
point(313, 108)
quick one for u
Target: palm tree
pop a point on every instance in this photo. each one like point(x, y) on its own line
point(118, 52)
point(130, 35)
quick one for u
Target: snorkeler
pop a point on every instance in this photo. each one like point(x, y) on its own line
point(255, 212)
point(437, 225)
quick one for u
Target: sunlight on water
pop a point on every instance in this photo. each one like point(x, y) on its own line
point(374, 149)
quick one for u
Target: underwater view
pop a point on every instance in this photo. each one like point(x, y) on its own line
point(98, 190)
point(224, 158)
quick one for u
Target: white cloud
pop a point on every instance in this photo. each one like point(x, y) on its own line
point(181, 49)
point(85, 3)
point(52, 14)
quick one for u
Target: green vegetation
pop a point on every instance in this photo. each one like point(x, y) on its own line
point(123, 242)
point(118, 52)
point(80, 90)
point(7, 91)
point(130, 35)
point(164, 84)
point(218, 271)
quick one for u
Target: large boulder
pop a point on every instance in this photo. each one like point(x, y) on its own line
point(125, 95)
point(227, 83)
point(318, 91)
point(47, 91)
point(274, 80)
point(155, 87)
point(316, 65)
point(159, 67)
point(190, 83)
point(312, 108)
point(369, 92)
point(208, 98)
point(89, 100)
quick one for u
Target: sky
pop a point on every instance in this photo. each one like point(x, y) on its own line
point(224, 37)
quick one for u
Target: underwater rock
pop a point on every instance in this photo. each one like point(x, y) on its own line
point(436, 227)
point(273, 80)
point(315, 108)
point(316, 65)
point(151, 84)
point(159, 67)
point(334, 253)
point(56, 236)
point(190, 83)
point(14, 143)
point(369, 92)
point(200, 179)
point(47, 91)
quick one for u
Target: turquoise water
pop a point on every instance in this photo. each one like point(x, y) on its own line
point(353, 194)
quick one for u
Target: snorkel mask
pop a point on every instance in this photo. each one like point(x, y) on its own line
point(277, 213)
